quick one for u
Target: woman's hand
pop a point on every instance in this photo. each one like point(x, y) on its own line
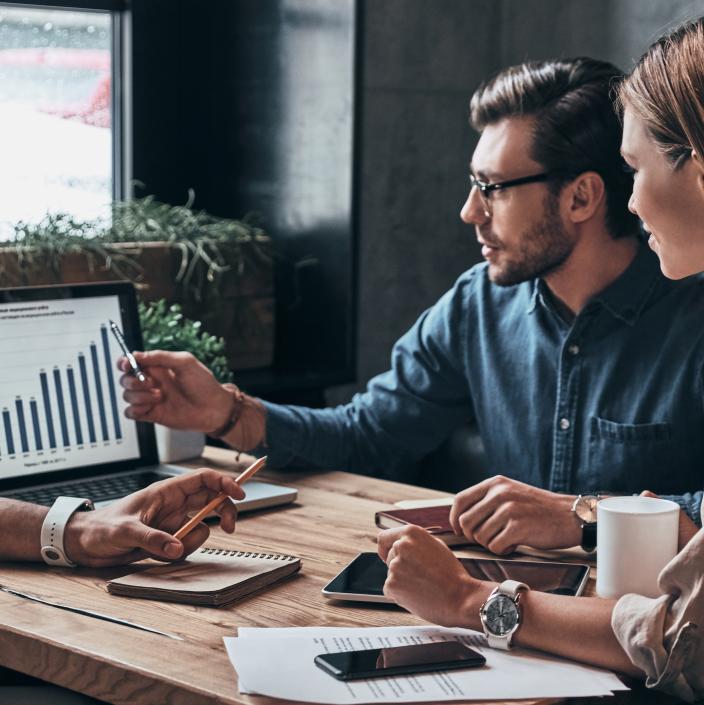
point(425, 577)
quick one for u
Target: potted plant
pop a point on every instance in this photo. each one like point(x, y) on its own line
point(164, 327)
point(219, 269)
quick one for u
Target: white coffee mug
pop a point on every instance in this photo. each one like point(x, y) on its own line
point(636, 539)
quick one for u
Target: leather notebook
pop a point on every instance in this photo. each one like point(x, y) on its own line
point(436, 520)
point(209, 576)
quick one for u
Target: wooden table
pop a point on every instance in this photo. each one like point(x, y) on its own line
point(331, 522)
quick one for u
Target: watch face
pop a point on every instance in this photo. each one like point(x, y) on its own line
point(586, 509)
point(501, 615)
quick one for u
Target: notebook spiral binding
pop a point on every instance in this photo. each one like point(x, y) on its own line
point(246, 554)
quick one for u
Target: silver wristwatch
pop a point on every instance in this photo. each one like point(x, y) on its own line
point(501, 614)
point(584, 510)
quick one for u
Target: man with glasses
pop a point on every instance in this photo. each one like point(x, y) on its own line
point(579, 362)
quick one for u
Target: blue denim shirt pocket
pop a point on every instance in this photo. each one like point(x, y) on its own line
point(624, 454)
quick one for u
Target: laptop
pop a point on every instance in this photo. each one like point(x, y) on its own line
point(62, 425)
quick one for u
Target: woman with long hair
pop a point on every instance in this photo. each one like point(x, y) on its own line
point(660, 639)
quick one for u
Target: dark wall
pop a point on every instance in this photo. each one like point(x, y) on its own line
point(422, 60)
point(252, 104)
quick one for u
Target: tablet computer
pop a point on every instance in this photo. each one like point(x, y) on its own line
point(363, 579)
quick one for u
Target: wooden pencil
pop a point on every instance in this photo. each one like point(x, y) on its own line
point(217, 501)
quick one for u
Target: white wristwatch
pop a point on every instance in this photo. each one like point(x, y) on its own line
point(501, 614)
point(52, 535)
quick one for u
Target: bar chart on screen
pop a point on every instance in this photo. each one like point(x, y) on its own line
point(60, 400)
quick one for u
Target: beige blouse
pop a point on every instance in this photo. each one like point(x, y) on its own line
point(664, 636)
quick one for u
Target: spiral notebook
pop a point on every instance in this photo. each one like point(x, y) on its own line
point(210, 576)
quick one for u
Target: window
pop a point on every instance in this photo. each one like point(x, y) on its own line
point(57, 114)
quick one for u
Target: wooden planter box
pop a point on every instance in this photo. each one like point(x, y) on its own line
point(239, 307)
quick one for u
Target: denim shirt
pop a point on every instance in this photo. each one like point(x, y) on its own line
point(611, 400)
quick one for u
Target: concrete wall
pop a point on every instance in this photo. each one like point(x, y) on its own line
point(421, 61)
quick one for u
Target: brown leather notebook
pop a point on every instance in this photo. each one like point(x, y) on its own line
point(210, 576)
point(436, 520)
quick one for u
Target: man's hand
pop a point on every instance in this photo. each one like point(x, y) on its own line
point(425, 577)
point(141, 525)
point(180, 392)
point(501, 514)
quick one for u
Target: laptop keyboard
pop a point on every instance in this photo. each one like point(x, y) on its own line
point(98, 489)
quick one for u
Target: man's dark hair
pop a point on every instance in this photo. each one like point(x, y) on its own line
point(576, 126)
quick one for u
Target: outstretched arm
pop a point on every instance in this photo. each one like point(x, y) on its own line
point(138, 526)
point(403, 414)
point(576, 628)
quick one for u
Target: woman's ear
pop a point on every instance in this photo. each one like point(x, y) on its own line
point(699, 163)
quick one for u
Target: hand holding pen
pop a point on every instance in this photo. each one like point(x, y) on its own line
point(179, 392)
point(134, 367)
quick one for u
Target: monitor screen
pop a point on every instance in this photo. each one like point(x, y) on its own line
point(61, 404)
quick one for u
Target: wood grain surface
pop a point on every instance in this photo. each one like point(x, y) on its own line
point(332, 521)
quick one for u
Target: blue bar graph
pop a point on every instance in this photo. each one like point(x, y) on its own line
point(35, 423)
point(47, 409)
point(111, 382)
point(62, 407)
point(86, 396)
point(74, 405)
point(99, 391)
point(72, 402)
point(8, 432)
point(24, 439)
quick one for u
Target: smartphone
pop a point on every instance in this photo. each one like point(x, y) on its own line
point(399, 660)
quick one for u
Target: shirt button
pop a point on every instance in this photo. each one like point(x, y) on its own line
point(573, 350)
point(564, 424)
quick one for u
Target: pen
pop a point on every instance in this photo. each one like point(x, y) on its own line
point(217, 501)
point(136, 369)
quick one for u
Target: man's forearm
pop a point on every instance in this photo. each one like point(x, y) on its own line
point(20, 530)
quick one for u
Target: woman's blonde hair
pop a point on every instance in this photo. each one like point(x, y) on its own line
point(666, 91)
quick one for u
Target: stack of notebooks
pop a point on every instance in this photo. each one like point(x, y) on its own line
point(210, 576)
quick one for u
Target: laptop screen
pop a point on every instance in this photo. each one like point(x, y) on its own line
point(61, 407)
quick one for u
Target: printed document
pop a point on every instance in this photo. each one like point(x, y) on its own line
point(278, 662)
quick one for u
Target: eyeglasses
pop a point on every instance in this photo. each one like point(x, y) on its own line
point(486, 189)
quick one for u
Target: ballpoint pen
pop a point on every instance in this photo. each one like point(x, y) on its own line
point(136, 369)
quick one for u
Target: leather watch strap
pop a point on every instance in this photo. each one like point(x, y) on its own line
point(589, 537)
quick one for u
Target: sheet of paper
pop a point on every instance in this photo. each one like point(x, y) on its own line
point(419, 503)
point(287, 653)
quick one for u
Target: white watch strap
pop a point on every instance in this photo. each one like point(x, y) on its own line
point(498, 642)
point(52, 535)
point(511, 588)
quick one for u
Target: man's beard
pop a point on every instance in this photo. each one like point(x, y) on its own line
point(543, 249)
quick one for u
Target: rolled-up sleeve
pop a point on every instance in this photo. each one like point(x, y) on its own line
point(664, 636)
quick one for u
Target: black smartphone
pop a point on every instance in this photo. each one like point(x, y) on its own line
point(399, 660)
